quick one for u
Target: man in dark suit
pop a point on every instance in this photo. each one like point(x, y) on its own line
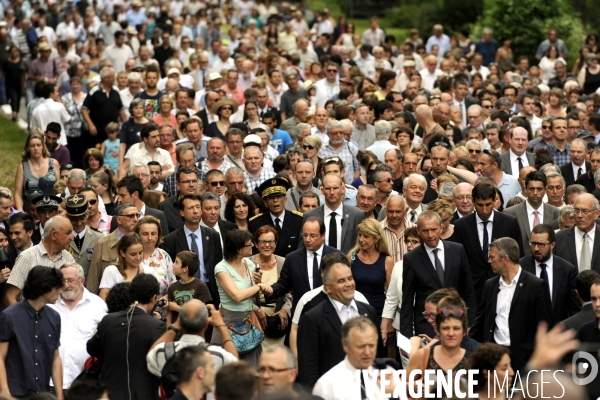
point(288, 223)
point(513, 304)
point(578, 244)
point(201, 240)
point(300, 274)
point(319, 331)
point(131, 190)
point(583, 285)
point(558, 274)
point(528, 212)
point(186, 183)
point(463, 201)
point(123, 340)
point(210, 99)
point(469, 231)
point(340, 229)
point(211, 211)
point(262, 96)
point(571, 171)
point(517, 157)
point(433, 265)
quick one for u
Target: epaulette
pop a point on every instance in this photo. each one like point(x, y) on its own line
point(297, 213)
point(256, 216)
point(94, 229)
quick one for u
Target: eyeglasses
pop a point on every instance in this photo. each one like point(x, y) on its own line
point(463, 198)
point(137, 215)
point(140, 176)
point(227, 108)
point(474, 151)
point(413, 242)
point(266, 242)
point(308, 147)
point(583, 211)
point(92, 202)
point(447, 312)
point(428, 315)
point(217, 183)
point(546, 126)
point(388, 180)
point(71, 281)
point(271, 371)
point(332, 70)
point(542, 246)
point(443, 144)
point(487, 107)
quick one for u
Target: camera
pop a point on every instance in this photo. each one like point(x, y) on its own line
point(161, 303)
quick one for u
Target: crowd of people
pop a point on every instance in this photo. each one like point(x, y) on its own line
point(237, 199)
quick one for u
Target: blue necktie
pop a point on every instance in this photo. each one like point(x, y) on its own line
point(544, 276)
point(195, 250)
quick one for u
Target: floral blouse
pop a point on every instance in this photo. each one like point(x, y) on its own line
point(160, 265)
point(77, 124)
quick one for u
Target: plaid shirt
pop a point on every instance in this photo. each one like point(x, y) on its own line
point(225, 165)
point(560, 157)
point(170, 187)
point(252, 184)
point(104, 223)
point(395, 242)
point(348, 156)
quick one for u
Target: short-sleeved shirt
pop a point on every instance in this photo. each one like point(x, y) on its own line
point(103, 108)
point(150, 103)
point(110, 277)
point(288, 99)
point(181, 293)
point(33, 337)
point(36, 255)
point(240, 282)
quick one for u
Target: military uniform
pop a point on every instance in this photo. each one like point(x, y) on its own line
point(291, 228)
point(42, 202)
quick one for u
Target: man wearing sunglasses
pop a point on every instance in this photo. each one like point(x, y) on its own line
point(546, 137)
point(131, 190)
point(215, 182)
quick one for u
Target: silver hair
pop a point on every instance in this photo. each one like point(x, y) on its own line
point(579, 141)
point(106, 71)
point(302, 126)
point(334, 124)
point(80, 272)
point(507, 246)
point(298, 102)
point(418, 177)
point(597, 176)
point(361, 323)
point(290, 359)
point(493, 125)
point(473, 141)
point(53, 224)
point(515, 78)
point(476, 107)
point(347, 122)
point(289, 73)
point(424, 111)
point(488, 30)
point(447, 189)
point(134, 77)
point(235, 171)
point(427, 215)
point(502, 102)
point(138, 165)
point(382, 130)
point(554, 175)
point(550, 167)
point(5, 189)
point(567, 210)
point(77, 175)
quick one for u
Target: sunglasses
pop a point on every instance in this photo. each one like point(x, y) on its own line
point(447, 312)
point(474, 151)
point(332, 70)
point(443, 144)
point(486, 106)
point(92, 202)
point(226, 108)
point(334, 160)
point(217, 183)
point(308, 147)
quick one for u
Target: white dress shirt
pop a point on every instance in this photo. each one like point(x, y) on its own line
point(549, 269)
point(273, 217)
point(393, 296)
point(216, 228)
point(343, 311)
point(77, 327)
point(579, 241)
point(531, 214)
point(339, 214)
point(51, 111)
point(490, 226)
point(417, 210)
point(462, 106)
point(310, 261)
point(429, 79)
point(308, 296)
point(514, 163)
point(576, 169)
point(505, 296)
point(440, 254)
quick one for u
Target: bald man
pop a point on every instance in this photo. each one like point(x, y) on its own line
point(425, 120)
point(517, 157)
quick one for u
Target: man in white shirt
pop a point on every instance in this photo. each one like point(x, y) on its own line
point(382, 143)
point(440, 39)
point(328, 87)
point(413, 188)
point(148, 150)
point(80, 312)
point(224, 61)
point(430, 73)
point(51, 110)
point(478, 67)
point(118, 53)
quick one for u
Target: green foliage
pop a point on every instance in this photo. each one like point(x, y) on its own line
point(413, 14)
point(12, 140)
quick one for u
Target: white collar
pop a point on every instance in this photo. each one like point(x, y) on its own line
point(479, 220)
point(548, 263)
point(338, 211)
point(80, 234)
point(319, 251)
point(340, 306)
point(514, 280)
point(439, 246)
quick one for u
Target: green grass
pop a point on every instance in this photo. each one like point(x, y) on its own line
point(399, 33)
point(12, 140)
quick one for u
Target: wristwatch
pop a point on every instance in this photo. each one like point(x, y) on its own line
point(173, 328)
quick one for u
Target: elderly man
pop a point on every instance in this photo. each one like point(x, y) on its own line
point(382, 142)
point(345, 151)
point(131, 190)
point(105, 251)
point(234, 183)
point(216, 157)
point(394, 226)
point(517, 157)
point(76, 181)
point(255, 173)
point(84, 238)
point(134, 84)
point(50, 252)
point(320, 128)
point(366, 200)
point(463, 201)
point(279, 358)
point(414, 191)
point(290, 97)
point(363, 132)
point(440, 39)
point(430, 73)
point(300, 112)
point(77, 307)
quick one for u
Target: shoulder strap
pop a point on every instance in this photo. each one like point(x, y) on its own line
point(169, 351)
point(426, 358)
point(294, 198)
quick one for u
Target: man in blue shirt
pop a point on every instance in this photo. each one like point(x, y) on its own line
point(487, 47)
point(281, 139)
point(30, 337)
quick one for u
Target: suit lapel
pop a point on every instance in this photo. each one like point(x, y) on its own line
point(524, 220)
point(332, 317)
point(447, 262)
point(345, 223)
point(557, 274)
point(547, 217)
point(521, 285)
point(304, 262)
point(424, 257)
point(596, 247)
point(571, 246)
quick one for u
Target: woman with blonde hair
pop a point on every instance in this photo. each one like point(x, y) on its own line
point(420, 150)
point(164, 116)
point(371, 262)
point(445, 211)
point(554, 107)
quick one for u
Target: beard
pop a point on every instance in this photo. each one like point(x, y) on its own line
point(70, 294)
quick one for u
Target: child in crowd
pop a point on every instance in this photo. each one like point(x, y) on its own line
point(110, 147)
point(186, 265)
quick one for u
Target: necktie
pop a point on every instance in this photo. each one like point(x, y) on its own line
point(413, 216)
point(585, 258)
point(78, 242)
point(536, 218)
point(579, 172)
point(462, 113)
point(486, 240)
point(278, 224)
point(363, 391)
point(262, 113)
point(195, 250)
point(333, 231)
point(438, 266)
point(316, 274)
point(544, 276)
point(520, 163)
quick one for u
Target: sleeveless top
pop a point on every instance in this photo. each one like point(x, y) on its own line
point(111, 154)
point(462, 364)
point(370, 280)
point(43, 184)
point(592, 82)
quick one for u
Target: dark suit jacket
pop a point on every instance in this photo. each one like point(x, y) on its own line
point(320, 340)
point(567, 172)
point(466, 233)
point(160, 215)
point(226, 226)
point(176, 241)
point(530, 305)
point(203, 115)
point(289, 237)
point(587, 181)
point(294, 275)
point(36, 238)
point(564, 300)
point(565, 247)
point(420, 280)
point(171, 210)
point(351, 218)
point(586, 314)
point(110, 344)
point(520, 212)
point(505, 160)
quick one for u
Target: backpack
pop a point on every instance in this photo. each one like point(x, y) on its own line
point(168, 375)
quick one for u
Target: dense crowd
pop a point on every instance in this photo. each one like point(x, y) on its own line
point(240, 199)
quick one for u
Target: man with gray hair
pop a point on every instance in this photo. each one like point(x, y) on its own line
point(50, 252)
point(487, 47)
point(566, 218)
point(194, 318)
point(382, 139)
point(425, 120)
point(555, 189)
point(270, 382)
point(497, 321)
point(300, 111)
point(76, 180)
point(76, 305)
point(338, 146)
point(134, 86)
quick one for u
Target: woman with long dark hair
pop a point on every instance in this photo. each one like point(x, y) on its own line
point(131, 253)
point(239, 209)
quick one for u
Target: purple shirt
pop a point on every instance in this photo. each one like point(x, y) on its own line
point(41, 68)
point(62, 155)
